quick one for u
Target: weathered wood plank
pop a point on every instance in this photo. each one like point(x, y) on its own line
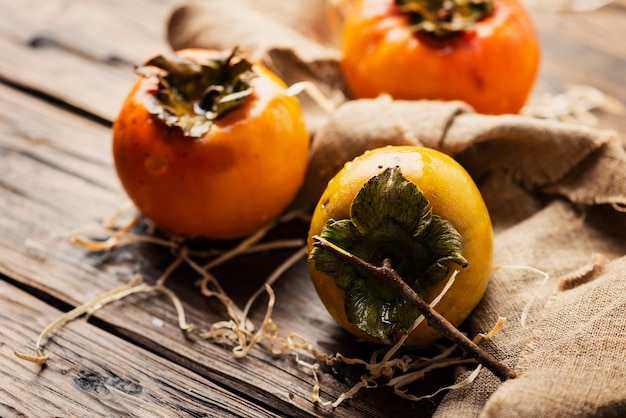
point(93, 373)
point(585, 49)
point(98, 30)
point(83, 52)
point(94, 87)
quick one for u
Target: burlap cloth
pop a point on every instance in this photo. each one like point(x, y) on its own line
point(556, 194)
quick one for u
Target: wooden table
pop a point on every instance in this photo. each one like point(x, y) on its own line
point(65, 68)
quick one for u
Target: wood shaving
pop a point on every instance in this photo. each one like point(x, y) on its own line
point(464, 383)
point(327, 105)
point(546, 277)
point(575, 105)
point(238, 330)
point(495, 330)
point(134, 286)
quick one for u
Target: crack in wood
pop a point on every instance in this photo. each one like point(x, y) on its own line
point(95, 382)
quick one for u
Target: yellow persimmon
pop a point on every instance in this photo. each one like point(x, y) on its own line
point(418, 208)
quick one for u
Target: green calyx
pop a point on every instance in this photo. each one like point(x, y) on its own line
point(389, 219)
point(442, 18)
point(193, 94)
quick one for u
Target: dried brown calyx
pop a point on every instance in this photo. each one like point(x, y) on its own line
point(193, 93)
point(442, 18)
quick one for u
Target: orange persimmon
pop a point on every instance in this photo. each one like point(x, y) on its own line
point(210, 145)
point(484, 52)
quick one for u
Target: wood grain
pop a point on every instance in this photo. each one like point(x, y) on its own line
point(585, 49)
point(81, 53)
point(93, 373)
point(65, 67)
point(56, 186)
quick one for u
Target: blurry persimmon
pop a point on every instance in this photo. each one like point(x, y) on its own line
point(483, 52)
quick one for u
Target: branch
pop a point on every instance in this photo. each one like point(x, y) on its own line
point(390, 277)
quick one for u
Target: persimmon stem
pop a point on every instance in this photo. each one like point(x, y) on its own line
point(390, 277)
point(443, 18)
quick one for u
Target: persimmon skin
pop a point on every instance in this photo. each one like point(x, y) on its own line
point(452, 195)
point(228, 183)
point(492, 67)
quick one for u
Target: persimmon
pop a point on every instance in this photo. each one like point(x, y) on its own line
point(417, 208)
point(483, 52)
point(210, 145)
